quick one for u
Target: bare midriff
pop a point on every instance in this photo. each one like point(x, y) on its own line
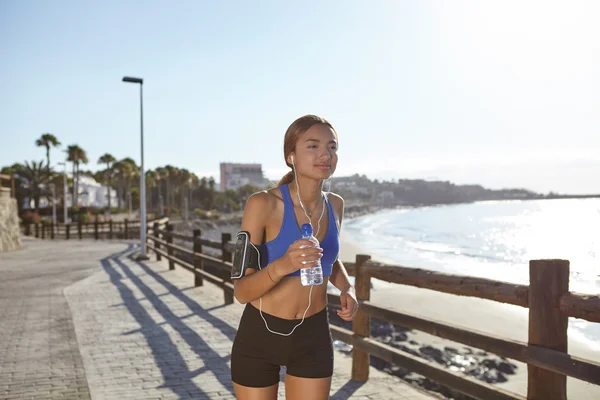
point(289, 299)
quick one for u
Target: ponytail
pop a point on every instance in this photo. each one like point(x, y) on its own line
point(287, 178)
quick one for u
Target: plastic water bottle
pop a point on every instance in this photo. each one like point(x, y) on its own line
point(311, 275)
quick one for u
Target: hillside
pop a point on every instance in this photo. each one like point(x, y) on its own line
point(357, 189)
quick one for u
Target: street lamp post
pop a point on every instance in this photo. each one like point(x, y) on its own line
point(143, 255)
point(53, 207)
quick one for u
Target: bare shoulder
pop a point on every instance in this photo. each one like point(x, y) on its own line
point(337, 202)
point(257, 200)
point(254, 221)
point(263, 202)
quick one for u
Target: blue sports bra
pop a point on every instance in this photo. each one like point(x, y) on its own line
point(290, 232)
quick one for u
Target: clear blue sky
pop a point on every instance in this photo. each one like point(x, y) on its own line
point(505, 94)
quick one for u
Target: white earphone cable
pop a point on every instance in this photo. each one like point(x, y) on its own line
point(311, 287)
point(260, 306)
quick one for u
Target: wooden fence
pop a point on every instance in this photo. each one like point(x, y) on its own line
point(96, 230)
point(549, 301)
point(547, 296)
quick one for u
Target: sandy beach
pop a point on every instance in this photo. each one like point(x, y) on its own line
point(485, 316)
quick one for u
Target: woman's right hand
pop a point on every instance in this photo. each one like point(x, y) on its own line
point(301, 254)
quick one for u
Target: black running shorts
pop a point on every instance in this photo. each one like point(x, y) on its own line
point(257, 354)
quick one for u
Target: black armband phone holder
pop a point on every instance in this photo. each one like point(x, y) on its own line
point(245, 256)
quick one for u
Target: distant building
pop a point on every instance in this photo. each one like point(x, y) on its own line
point(90, 194)
point(94, 194)
point(234, 176)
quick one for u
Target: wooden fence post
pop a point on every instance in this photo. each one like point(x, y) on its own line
point(110, 229)
point(80, 229)
point(27, 229)
point(126, 233)
point(169, 248)
point(52, 228)
point(226, 275)
point(96, 228)
point(361, 325)
point(197, 247)
point(156, 243)
point(548, 281)
point(67, 231)
point(37, 230)
point(43, 230)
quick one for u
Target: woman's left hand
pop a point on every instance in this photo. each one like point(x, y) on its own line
point(349, 305)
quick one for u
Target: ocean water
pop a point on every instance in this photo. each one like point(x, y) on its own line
point(494, 239)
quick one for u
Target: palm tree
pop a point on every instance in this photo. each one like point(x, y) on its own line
point(35, 179)
point(211, 192)
point(203, 189)
point(162, 182)
point(130, 172)
point(125, 171)
point(99, 176)
point(109, 160)
point(193, 184)
point(47, 140)
point(118, 169)
point(183, 182)
point(76, 155)
point(57, 180)
point(152, 178)
point(170, 194)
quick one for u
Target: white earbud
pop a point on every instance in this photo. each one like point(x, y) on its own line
point(292, 160)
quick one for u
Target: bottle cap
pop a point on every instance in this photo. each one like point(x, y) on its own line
point(307, 230)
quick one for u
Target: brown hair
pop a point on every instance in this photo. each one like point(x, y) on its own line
point(293, 133)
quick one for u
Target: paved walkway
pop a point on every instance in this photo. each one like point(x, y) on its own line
point(83, 319)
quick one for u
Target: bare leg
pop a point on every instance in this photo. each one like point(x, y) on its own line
point(253, 393)
point(297, 388)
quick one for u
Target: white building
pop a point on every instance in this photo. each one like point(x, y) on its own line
point(90, 194)
point(94, 194)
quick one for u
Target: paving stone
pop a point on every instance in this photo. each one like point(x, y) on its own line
point(84, 320)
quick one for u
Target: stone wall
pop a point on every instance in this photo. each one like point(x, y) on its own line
point(10, 234)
